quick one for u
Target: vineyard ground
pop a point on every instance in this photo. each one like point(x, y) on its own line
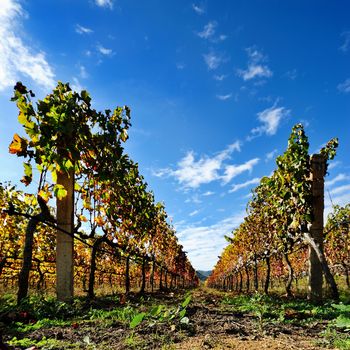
point(213, 320)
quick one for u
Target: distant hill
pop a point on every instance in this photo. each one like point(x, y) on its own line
point(203, 275)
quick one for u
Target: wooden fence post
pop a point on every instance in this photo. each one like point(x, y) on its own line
point(65, 243)
point(315, 268)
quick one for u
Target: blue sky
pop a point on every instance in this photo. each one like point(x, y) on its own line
point(214, 88)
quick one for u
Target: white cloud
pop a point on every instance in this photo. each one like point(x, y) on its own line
point(224, 97)
point(208, 31)
point(338, 178)
point(220, 77)
point(199, 10)
point(82, 72)
point(232, 171)
point(208, 193)
point(333, 164)
point(212, 60)
point(346, 44)
point(192, 173)
point(76, 86)
point(16, 58)
point(180, 66)
point(270, 155)
point(104, 3)
point(270, 118)
point(340, 190)
point(205, 243)
point(236, 187)
point(195, 212)
point(336, 196)
point(256, 68)
point(255, 71)
point(104, 51)
point(194, 199)
point(345, 86)
point(82, 30)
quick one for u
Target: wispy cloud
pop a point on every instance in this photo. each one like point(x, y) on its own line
point(255, 71)
point(291, 74)
point(82, 72)
point(340, 190)
point(336, 196)
point(104, 3)
point(220, 77)
point(270, 119)
point(193, 213)
point(208, 30)
point(334, 164)
point(212, 60)
point(270, 155)
point(256, 67)
point(205, 243)
point(198, 9)
point(345, 86)
point(82, 30)
point(209, 33)
point(75, 85)
point(208, 193)
point(224, 97)
point(236, 187)
point(192, 173)
point(180, 65)
point(104, 51)
point(232, 171)
point(338, 178)
point(346, 44)
point(16, 58)
point(194, 199)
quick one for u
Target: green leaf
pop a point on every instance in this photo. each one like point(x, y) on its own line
point(28, 173)
point(182, 313)
point(343, 322)
point(137, 319)
point(59, 191)
point(186, 301)
point(28, 169)
point(156, 310)
point(68, 165)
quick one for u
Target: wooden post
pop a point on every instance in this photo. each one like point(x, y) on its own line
point(65, 243)
point(315, 268)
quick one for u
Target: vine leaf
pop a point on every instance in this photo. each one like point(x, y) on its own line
point(137, 319)
point(18, 145)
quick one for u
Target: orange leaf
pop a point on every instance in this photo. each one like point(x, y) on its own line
point(18, 145)
point(83, 218)
point(99, 221)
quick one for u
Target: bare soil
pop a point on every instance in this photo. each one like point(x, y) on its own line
point(212, 325)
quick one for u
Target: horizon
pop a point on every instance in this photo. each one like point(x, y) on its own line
point(214, 90)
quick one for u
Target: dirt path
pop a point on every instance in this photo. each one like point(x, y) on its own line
point(218, 327)
point(212, 324)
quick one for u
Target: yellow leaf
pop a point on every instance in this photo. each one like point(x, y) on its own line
point(22, 118)
point(99, 221)
point(83, 218)
point(45, 196)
